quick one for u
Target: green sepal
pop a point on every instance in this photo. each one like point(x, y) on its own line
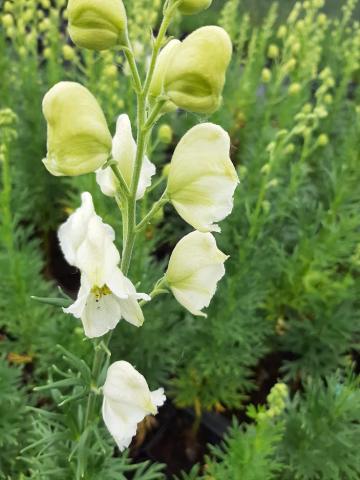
point(56, 302)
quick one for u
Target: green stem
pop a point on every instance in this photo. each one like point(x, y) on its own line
point(157, 205)
point(96, 369)
point(143, 134)
point(160, 288)
point(5, 204)
point(120, 178)
point(133, 67)
point(145, 124)
point(168, 15)
point(154, 114)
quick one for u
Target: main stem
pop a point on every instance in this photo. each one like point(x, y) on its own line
point(143, 134)
point(144, 128)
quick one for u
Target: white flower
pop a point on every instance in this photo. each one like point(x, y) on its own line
point(202, 178)
point(124, 153)
point(127, 401)
point(195, 267)
point(105, 294)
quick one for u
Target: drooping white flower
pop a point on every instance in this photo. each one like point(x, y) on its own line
point(105, 294)
point(202, 178)
point(124, 153)
point(127, 401)
point(195, 267)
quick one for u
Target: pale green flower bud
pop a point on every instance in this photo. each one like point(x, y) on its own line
point(97, 24)
point(166, 170)
point(47, 53)
point(323, 140)
point(289, 149)
point(110, 71)
point(195, 73)
point(281, 33)
point(78, 140)
point(273, 51)
point(190, 7)
point(68, 53)
point(266, 75)
point(322, 19)
point(289, 66)
point(7, 21)
point(294, 88)
point(165, 133)
point(8, 7)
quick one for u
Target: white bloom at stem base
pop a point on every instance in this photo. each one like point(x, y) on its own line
point(124, 153)
point(195, 267)
point(202, 179)
point(127, 401)
point(105, 294)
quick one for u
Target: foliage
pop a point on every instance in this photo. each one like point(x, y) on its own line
point(291, 105)
point(322, 426)
point(14, 420)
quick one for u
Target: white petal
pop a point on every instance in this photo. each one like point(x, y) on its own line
point(118, 283)
point(121, 430)
point(202, 178)
point(97, 256)
point(131, 311)
point(195, 267)
point(147, 171)
point(196, 292)
point(78, 307)
point(128, 297)
point(125, 385)
point(100, 315)
point(124, 153)
point(72, 233)
point(127, 400)
point(106, 181)
point(87, 242)
point(158, 397)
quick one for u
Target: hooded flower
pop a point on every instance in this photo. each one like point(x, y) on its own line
point(190, 7)
point(195, 70)
point(97, 24)
point(127, 401)
point(105, 294)
point(157, 83)
point(202, 178)
point(195, 267)
point(78, 138)
point(124, 153)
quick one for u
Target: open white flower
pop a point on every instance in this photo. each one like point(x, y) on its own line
point(202, 178)
point(124, 153)
point(105, 294)
point(127, 401)
point(195, 267)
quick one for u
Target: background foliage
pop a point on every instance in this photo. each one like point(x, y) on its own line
point(288, 306)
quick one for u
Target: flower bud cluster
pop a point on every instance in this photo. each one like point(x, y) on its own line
point(277, 399)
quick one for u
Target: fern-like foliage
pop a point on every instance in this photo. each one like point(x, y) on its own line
point(322, 431)
point(14, 418)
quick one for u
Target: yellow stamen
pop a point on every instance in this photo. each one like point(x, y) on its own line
point(100, 291)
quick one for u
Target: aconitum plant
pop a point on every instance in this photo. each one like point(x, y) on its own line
point(189, 75)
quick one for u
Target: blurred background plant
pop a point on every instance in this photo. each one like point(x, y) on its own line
point(287, 309)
